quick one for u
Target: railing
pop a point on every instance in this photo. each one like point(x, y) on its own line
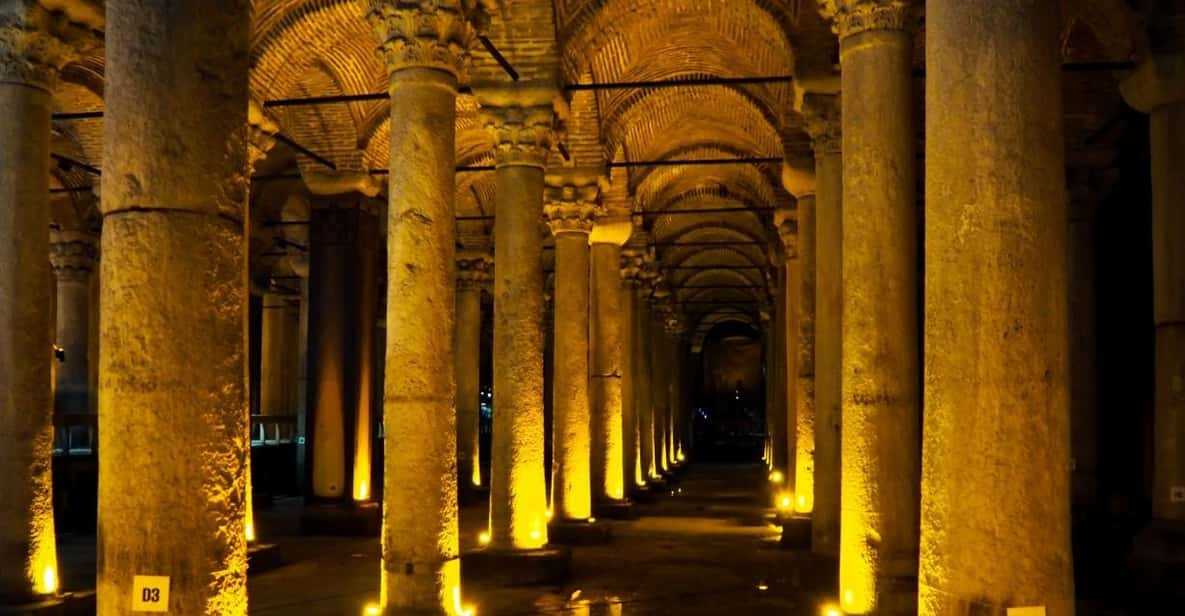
point(75, 434)
point(267, 430)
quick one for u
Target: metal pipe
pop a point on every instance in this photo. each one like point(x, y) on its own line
point(498, 57)
point(282, 138)
point(680, 83)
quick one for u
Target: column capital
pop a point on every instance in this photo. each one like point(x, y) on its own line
point(823, 118)
point(474, 270)
point(521, 119)
point(1157, 81)
point(72, 254)
point(36, 43)
point(852, 17)
point(786, 221)
point(571, 199)
point(417, 34)
point(261, 131)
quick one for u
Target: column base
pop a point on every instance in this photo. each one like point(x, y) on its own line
point(578, 532)
point(67, 604)
point(341, 520)
point(642, 494)
point(1157, 563)
point(657, 485)
point(546, 565)
point(796, 532)
point(263, 557)
point(614, 510)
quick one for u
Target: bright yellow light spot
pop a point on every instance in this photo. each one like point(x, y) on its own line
point(49, 581)
point(536, 535)
point(250, 529)
point(785, 501)
point(848, 598)
point(830, 610)
point(802, 504)
point(484, 538)
point(592, 520)
point(458, 609)
point(362, 491)
point(372, 610)
point(681, 457)
point(777, 477)
point(548, 514)
point(763, 586)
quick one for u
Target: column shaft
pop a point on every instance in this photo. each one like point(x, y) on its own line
point(996, 451)
point(879, 379)
point(468, 375)
point(606, 336)
point(645, 399)
point(27, 548)
point(788, 363)
point(281, 326)
point(571, 487)
point(659, 392)
point(173, 366)
point(421, 570)
point(804, 350)
point(631, 474)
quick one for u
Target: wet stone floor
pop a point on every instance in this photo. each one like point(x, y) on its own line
point(709, 548)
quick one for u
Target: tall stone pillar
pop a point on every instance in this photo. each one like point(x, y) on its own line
point(608, 364)
point(173, 366)
point(659, 368)
point(631, 262)
point(72, 255)
point(473, 274)
point(996, 452)
point(424, 48)
point(821, 113)
point(30, 58)
point(281, 331)
point(343, 279)
point(786, 329)
point(645, 394)
point(879, 378)
point(801, 183)
point(570, 206)
point(521, 123)
point(1158, 88)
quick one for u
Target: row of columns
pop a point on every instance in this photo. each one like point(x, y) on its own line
point(916, 522)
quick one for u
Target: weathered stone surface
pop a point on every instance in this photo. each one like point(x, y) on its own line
point(995, 520)
point(73, 258)
point(473, 273)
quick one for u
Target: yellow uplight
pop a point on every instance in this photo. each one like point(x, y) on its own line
point(548, 513)
point(372, 610)
point(250, 530)
point(459, 609)
point(49, 581)
point(592, 520)
point(484, 538)
point(362, 491)
point(785, 501)
point(830, 610)
point(536, 535)
point(804, 505)
point(777, 477)
point(848, 598)
point(681, 457)
point(763, 586)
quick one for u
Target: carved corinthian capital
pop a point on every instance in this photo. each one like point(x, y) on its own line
point(570, 200)
point(852, 17)
point(35, 44)
point(821, 114)
point(72, 255)
point(521, 120)
point(474, 270)
point(786, 221)
point(434, 34)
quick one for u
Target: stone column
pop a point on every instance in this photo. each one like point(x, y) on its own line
point(570, 204)
point(608, 359)
point(281, 329)
point(773, 436)
point(659, 368)
point(786, 363)
point(521, 122)
point(30, 58)
point(879, 378)
point(821, 113)
point(343, 244)
point(72, 255)
point(1158, 89)
point(424, 48)
point(473, 274)
point(645, 394)
point(173, 366)
point(801, 183)
point(631, 261)
point(995, 492)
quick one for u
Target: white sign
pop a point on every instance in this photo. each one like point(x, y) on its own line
point(1027, 611)
point(150, 593)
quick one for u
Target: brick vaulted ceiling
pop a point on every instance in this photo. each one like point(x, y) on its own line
point(313, 48)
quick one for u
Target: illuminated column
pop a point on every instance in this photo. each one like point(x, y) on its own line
point(879, 375)
point(821, 113)
point(773, 436)
point(473, 274)
point(786, 362)
point(645, 399)
point(30, 59)
point(520, 121)
point(570, 205)
point(173, 368)
point(1158, 89)
point(72, 255)
point(607, 370)
point(423, 47)
point(281, 322)
point(997, 435)
point(801, 183)
point(343, 278)
point(632, 258)
point(659, 393)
